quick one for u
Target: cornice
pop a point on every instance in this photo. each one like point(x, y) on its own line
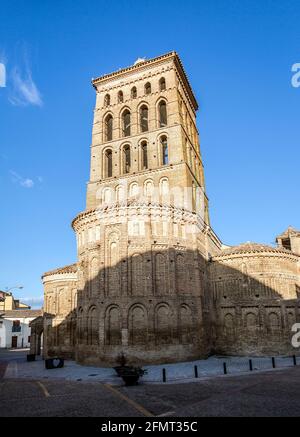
point(144, 65)
point(59, 277)
point(133, 208)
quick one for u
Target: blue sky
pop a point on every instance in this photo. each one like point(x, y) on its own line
point(238, 55)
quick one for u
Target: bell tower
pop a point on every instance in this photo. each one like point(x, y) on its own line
point(144, 237)
point(145, 125)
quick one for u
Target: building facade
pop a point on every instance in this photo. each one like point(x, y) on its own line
point(153, 281)
point(15, 331)
point(9, 303)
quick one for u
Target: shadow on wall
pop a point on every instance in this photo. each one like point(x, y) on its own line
point(171, 304)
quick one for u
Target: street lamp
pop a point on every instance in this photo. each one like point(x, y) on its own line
point(17, 287)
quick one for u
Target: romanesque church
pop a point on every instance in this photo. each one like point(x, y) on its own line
point(152, 280)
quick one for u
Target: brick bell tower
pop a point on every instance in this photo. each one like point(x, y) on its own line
point(144, 238)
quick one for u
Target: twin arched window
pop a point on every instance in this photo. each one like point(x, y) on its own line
point(162, 113)
point(108, 126)
point(108, 163)
point(144, 147)
point(148, 88)
point(126, 159)
point(107, 100)
point(120, 97)
point(144, 114)
point(126, 123)
point(133, 93)
point(164, 150)
point(162, 84)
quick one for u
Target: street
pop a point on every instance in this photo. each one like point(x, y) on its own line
point(273, 393)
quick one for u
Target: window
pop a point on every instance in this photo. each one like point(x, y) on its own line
point(126, 121)
point(162, 84)
point(136, 228)
point(162, 109)
point(144, 146)
point(286, 243)
point(126, 159)
point(133, 189)
point(148, 88)
point(120, 193)
point(107, 195)
point(16, 327)
point(108, 163)
point(144, 119)
point(107, 100)
point(148, 188)
point(164, 187)
point(120, 97)
point(133, 93)
point(164, 150)
point(108, 128)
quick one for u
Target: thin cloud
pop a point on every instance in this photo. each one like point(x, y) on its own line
point(25, 91)
point(23, 182)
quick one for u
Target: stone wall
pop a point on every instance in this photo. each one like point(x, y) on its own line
point(254, 295)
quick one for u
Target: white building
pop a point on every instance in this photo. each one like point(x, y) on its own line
point(14, 327)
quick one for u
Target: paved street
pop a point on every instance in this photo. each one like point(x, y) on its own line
point(273, 393)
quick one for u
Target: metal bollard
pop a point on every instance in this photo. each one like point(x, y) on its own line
point(273, 363)
point(225, 368)
point(250, 365)
point(196, 371)
point(164, 375)
point(294, 360)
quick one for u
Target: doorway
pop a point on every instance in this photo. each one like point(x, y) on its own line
point(14, 341)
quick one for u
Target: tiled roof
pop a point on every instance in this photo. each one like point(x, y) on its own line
point(290, 231)
point(72, 268)
point(252, 248)
point(20, 314)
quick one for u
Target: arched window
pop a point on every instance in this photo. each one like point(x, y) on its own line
point(144, 147)
point(107, 195)
point(108, 163)
point(162, 84)
point(108, 127)
point(126, 159)
point(133, 93)
point(164, 150)
point(164, 187)
point(120, 97)
point(148, 88)
point(107, 100)
point(133, 189)
point(148, 188)
point(120, 193)
point(126, 123)
point(162, 109)
point(144, 125)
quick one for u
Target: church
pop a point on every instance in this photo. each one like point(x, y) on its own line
point(152, 279)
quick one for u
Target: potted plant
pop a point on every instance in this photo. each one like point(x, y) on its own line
point(121, 360)
point(131, 375)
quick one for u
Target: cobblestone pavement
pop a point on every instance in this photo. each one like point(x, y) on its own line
point(275, 393)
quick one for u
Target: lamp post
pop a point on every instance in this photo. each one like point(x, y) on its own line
point(17, 287)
